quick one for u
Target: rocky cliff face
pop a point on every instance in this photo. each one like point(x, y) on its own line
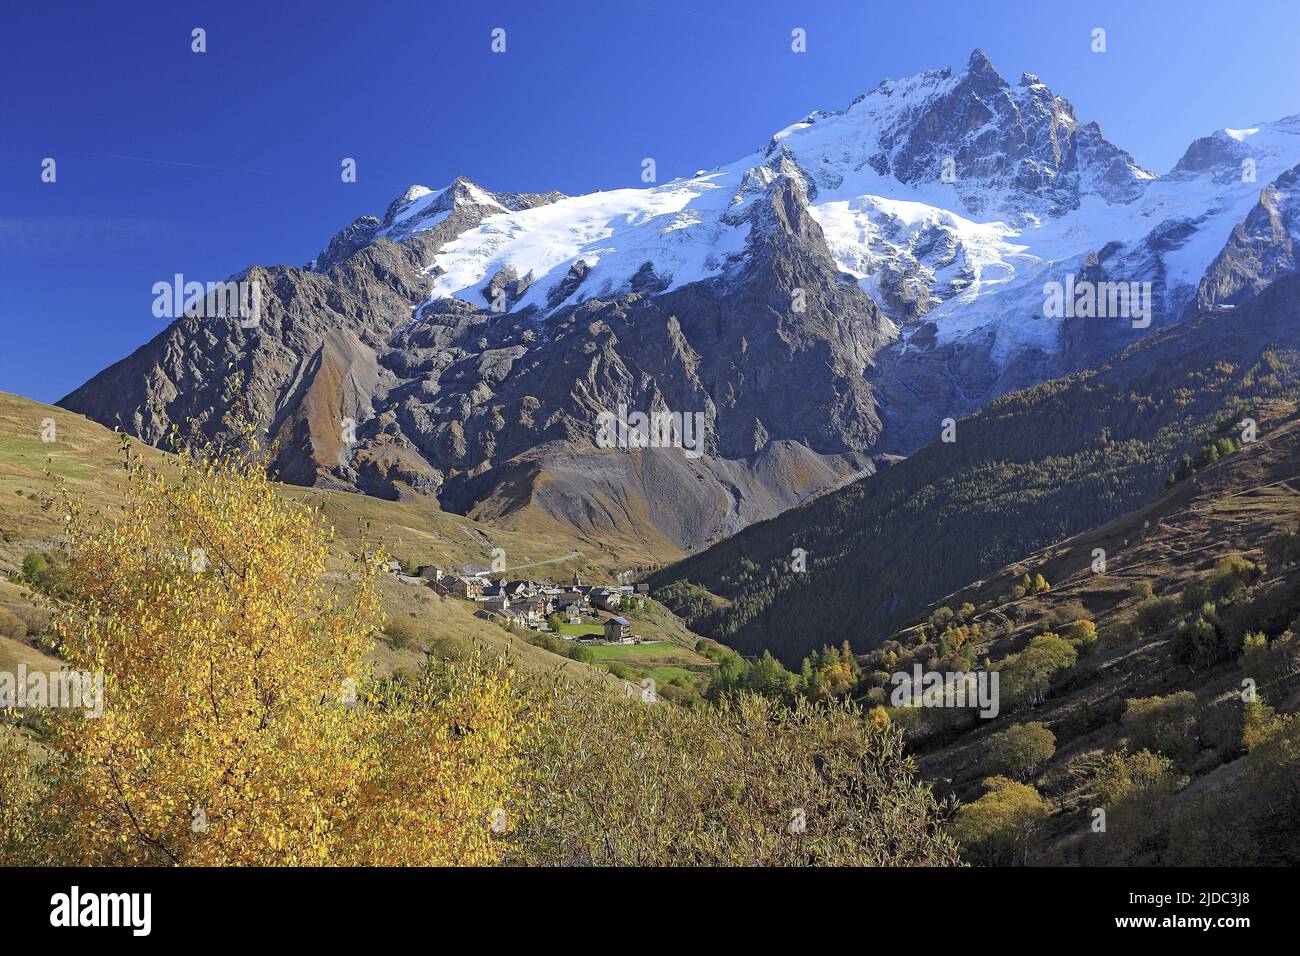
point(818, 304)
point(1261, 248)
point(365, 384)
point(1005, 149)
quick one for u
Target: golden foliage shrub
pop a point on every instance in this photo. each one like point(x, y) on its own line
point(747, 782)
point(240, 726)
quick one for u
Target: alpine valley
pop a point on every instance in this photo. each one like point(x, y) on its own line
point(921, 488)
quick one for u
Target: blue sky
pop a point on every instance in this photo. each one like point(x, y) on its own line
point(171, 161)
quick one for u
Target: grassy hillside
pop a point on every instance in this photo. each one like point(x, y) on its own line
point(1163, 675)
point(87, 456)
point(1032, 468)
point(671, 661)
point(86, 453)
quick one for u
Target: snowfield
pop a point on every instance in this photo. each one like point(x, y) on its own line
point(981, 272)
point(677, 227)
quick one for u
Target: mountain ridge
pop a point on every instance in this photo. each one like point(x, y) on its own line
point(473, 337)
point(1031, 469)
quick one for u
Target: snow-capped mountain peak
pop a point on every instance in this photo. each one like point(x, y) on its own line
point(952, 196)
point(1004, 151)
point(421, 208)
point(822, 301)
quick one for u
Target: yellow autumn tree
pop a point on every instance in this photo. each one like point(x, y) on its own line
point(239, 724)
point(999, 828)
point(19, 795)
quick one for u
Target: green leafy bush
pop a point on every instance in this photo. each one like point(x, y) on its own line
point(1021, 750)
point(1026, 677)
